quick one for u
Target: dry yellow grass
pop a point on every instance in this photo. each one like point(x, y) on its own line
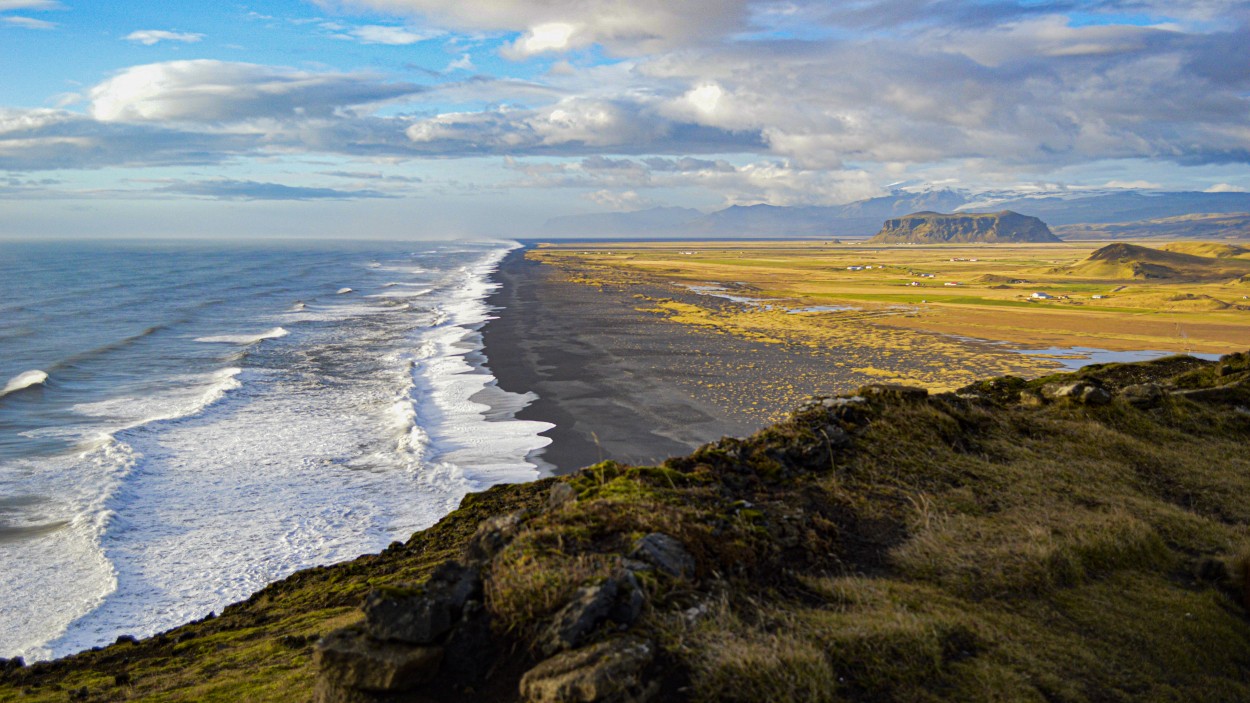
point(885, 303)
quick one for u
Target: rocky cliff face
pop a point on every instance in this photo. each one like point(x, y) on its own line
point(1076, 537)
point(963, 228)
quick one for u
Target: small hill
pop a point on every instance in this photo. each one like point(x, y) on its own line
point(999, 278)
point(1131, 261)
point(1213, 250)
point(963, 228)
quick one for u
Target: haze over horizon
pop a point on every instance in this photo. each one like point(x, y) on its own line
point(437, 119)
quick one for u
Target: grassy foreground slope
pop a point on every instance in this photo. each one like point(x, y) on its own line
point(1080, 537)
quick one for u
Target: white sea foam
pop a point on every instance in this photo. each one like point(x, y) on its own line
point(26, 379)
point(343, 291)
point(189, 395)
point(274, 333)
point(258, 473)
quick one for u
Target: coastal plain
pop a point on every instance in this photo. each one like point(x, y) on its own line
point(937, 315)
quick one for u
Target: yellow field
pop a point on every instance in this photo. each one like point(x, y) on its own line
point(891, 306)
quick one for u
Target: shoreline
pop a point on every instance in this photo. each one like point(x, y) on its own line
point(618, 382)
point(596, 366)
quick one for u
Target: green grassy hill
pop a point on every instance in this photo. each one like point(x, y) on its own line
point(1080, 537)
point(1178, 262)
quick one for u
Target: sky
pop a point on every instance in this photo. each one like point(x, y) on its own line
point(445, 118)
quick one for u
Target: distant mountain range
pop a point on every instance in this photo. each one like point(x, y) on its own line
point(865, 217)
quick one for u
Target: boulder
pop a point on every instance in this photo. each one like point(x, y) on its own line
point(1080, 392)
point(841, 402)
point(630, 601)
point(492, 535)
point(349, 658)
point(607, 672)
point(666, 554)
point(890, 391)
point(424, 613)
point(1143, 394)
point(577, 620)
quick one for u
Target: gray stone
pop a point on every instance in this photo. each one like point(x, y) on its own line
point(835, 436)
point(1078, 392)
point(1143, 394)
point(1094, 395)
point(666, 554)
point(630, 601)
point(349, 658)
point(840, 402)
point(607, 672)
point(492, 535)
point(889, 391)
point(577, 620)
point(561, 494)
point(423, 613)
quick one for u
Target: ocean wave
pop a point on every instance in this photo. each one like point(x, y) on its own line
point(77, 359)
point(274, 333)
point(137, 412)
point(309, 463)
point(23, 380)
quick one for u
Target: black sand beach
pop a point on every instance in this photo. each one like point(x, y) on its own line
point(623, 384)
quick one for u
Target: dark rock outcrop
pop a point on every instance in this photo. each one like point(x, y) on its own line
point(351, 659)
point(963, 228)
point(607, 672)
point(666, 554)
point(424, 613)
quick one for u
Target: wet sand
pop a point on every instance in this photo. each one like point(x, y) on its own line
point(623, 384)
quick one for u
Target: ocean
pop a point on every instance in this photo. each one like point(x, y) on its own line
point(184, 423)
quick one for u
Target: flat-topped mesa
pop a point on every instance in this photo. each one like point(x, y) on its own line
point(963, 228)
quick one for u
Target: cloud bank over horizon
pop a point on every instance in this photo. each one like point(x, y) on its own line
point(703, 103)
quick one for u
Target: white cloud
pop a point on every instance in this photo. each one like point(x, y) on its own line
point(575, 126)
point(620, 201)
point(7, 5)
point(1133, 185)
point(543, 38)
point(771, 182)
point(464, 63)
point(393, 36)
point(639, 26)
point(32, 140)
point(148, 37)
point(219, 91)
point(28, 23)
point(1227, 188)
